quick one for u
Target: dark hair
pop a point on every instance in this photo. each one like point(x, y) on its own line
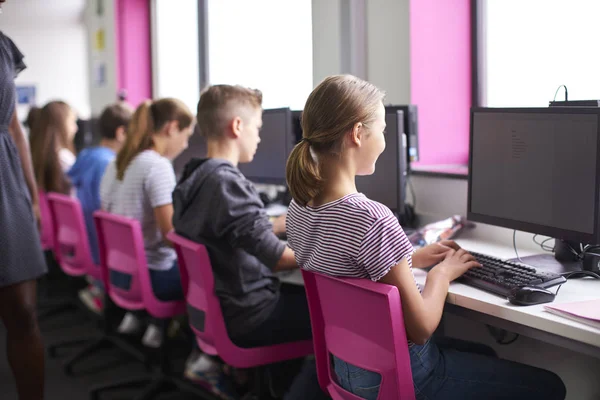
point(216, 105)
point(33, 117)
point(149, 118)
point(331, 111)
point(113, 117)
point(48, 135)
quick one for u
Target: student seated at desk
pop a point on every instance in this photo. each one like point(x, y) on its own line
point(86, 175)
point(217, 206)
point(138, 184)
point(51, 141)
point(335, 230)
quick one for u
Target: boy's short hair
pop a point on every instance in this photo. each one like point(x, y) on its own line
point(217, 103)
point(114, 116)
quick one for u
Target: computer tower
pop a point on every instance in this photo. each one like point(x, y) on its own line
point(411, 129)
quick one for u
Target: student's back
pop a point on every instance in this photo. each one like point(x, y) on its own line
point(88, 170)
point(148, 182)
point(215, 205)
point(85, 176)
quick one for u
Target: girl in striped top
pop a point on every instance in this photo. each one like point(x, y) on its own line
point(335, 230)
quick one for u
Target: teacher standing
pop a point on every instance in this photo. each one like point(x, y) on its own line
point(21, 257)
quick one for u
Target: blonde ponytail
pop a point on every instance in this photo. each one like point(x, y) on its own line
point(139, 137)
point(331, 111)
point(303, 174)
point(149, 118)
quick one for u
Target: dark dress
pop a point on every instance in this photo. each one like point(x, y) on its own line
point(21, 256)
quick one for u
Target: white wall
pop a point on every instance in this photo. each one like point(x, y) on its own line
point(387, 37)
point(388, 48)
point(51, 35)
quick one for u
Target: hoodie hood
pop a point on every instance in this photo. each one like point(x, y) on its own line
point(193, 178)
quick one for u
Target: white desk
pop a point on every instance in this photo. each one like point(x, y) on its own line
point(531, 321)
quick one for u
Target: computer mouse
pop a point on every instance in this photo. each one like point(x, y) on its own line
point(530, 295)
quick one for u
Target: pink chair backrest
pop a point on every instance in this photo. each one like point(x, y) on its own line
point(47, 228)
point(121, 248)
point(206, 317)
point(199, 289)
point(71, 244)
point(360, 322)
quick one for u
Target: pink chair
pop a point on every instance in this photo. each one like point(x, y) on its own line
point(72, 252)
point(67, 252)
point(360, 322)
point(121, 248)
point(47, 225)
point(71, 243)
point(206, 317)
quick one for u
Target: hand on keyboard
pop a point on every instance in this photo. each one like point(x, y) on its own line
point(455, 264)
point(433, 254)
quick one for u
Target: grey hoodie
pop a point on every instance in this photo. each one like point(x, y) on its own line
point(214, 204)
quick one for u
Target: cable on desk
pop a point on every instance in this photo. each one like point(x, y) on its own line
point(543, 244)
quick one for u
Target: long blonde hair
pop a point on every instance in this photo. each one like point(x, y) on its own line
point(331, 111)
point(49, 133)
point(148, 119)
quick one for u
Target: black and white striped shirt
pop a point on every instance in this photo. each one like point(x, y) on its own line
point(349, 237)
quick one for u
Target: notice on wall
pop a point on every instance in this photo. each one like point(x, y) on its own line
point(99, 74)
point(26, 95)
point(100, 41)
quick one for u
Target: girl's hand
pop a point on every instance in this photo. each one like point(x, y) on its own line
point(433, 254)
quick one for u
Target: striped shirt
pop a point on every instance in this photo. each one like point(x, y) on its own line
point(349, 237)
point(148, 183)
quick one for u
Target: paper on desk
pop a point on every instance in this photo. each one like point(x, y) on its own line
point(587, 312)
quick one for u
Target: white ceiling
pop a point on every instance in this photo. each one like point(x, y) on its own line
point(31, 13)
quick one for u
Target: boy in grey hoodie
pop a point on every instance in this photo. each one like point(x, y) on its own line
point(214, 204)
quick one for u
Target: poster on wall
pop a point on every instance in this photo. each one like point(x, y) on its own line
point(99, 74)
point(100, 42)
point(26, 95)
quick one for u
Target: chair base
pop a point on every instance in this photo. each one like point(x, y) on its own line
point(101, 343)
point(54, 348)
point(154, 387)
point(55, 308)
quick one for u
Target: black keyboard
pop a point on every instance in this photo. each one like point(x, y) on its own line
point(501, 277)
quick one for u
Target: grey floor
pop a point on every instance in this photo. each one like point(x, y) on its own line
point(103, 367)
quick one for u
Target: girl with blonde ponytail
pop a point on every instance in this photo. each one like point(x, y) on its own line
point(139, 184)
point(335, 230)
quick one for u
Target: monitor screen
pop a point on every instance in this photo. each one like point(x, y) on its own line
point(276, 143)
point(386, 185)
point(196, 149)
point(536, 170)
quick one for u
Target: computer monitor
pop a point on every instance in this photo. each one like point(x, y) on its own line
point(536, 170)
point(196, 149)
point(277, 140)
point(411, 129)
point(387, 185)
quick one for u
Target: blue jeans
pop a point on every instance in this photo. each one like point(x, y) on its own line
point(166, 284)
point(449, 369)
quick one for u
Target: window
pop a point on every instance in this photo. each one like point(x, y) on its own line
point(264, 44)
point(532, 47)
point(175, 51)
